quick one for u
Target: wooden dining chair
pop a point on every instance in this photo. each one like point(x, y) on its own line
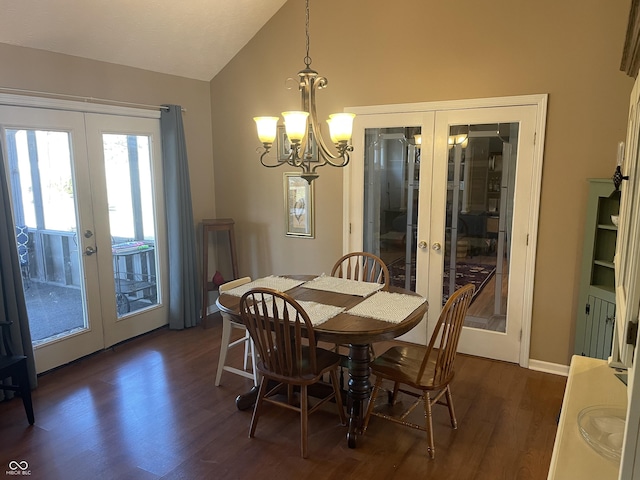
point(287, 355)
point(229, 323)
point(15, 367)
point(426, 369)
point(362, 266)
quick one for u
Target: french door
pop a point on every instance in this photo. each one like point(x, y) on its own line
point(87, 204)
point(448, 196)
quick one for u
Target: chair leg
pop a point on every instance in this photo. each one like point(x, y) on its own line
point(372, 402)
point(254, 369)
point(304, 420)
point(452, 413)
point(291, 398)
point(429, 424)
point(224, 346)
point(25, 391)
point(394, 394)
point(247, 350)
point(258, 406)
point(338, 396)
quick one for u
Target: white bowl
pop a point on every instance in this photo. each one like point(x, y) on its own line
point(614, 219)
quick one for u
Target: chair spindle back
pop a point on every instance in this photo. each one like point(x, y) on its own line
point(280, 329)
point(447, 334)
point(362, 266)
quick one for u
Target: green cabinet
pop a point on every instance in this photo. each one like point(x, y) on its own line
point(596, 303)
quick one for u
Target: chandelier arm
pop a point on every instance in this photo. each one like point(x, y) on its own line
point(310, 86)
point(292, 162)
point(344, 156)
point(264, 154)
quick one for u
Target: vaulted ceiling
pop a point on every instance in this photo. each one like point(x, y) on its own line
point(188, 38)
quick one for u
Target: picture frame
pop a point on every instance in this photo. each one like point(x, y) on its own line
point(298, 206)
point(284, 147)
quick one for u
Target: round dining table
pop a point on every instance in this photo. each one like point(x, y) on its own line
point(358, 332)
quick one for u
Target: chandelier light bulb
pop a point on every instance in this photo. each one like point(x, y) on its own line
point(295, 124)
point(267, 127)
point(340, 127)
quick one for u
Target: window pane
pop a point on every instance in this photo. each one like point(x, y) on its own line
point(131, 219)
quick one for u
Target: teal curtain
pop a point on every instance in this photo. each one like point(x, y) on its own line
point(14, 307)
point(184, 289)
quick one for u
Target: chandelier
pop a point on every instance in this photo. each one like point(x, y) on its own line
point(307, 148)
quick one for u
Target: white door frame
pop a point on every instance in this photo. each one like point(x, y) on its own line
point(105, 329)
point(353, 198)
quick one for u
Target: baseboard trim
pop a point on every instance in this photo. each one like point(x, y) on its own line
point(546, 367)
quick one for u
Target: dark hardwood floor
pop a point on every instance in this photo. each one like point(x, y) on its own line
point(148, 409)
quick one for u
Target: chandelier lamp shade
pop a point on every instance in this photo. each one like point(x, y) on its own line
point(303, 128)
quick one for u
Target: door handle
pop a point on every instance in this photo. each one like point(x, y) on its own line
point(90, 251)
point(422, 245)
point(436, 246)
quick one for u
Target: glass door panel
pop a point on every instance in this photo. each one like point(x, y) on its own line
point(127, 160)
point(392, 179)
point(482, 161)
point(46, 226)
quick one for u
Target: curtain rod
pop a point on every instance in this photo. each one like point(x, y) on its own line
point(83, 99)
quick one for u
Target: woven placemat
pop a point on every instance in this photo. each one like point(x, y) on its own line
point(343, 285)
point(281, 284)
point(318, 312)
point(387, 306)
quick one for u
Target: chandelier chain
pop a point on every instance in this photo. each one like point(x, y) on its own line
point(307, 58)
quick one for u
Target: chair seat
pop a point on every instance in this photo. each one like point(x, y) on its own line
point(402, 364)
point(10, 362)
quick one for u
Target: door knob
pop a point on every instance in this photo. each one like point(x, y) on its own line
point(436, 246)
point(422, 245)
point(90, 251)
point(88, 234)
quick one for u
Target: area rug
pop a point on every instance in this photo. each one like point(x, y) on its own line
point(476, 273)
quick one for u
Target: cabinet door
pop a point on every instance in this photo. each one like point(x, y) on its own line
point(597, 334)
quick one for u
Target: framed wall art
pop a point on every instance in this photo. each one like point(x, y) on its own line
point(284, 147)
point(298, 205)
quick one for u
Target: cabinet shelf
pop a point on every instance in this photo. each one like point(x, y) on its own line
point(603, 263)
point(605, 226)
point(603, 288)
